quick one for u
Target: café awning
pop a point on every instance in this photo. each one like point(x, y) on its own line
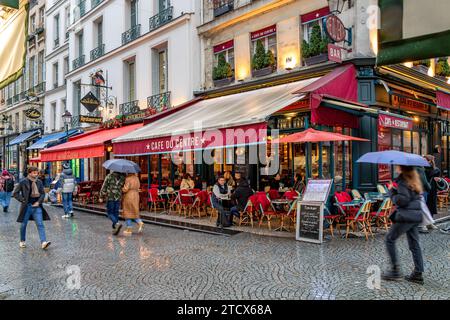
point(53, 138)
point(24, 137)
point(88, 145)
point(246, 111)
point(443, 100)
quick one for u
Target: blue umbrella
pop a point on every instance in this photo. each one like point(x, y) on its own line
point(121, 165)
point(393, 157)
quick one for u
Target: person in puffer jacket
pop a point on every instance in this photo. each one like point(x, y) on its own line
point(68, 187)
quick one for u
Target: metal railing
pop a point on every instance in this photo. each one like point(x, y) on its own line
point(75, 122)
point(222, 7)
point(16, 98)
point(78, 62)
point(161, 18)
point(97, 52)
point(129, 107)
point(159, 102)
point(95, 3)
point(131, 34)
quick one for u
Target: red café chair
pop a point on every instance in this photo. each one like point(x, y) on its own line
point(200, 202)
point(210, 204)
point(290, 195)
point(274, 194)
point(250, 211)
point(154, 199)
point(195, 191)
point(267, 210)
point(185, 202)
point(332, 219)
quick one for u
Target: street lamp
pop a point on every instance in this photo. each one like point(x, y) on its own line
point(67, 119)
point(338, 5)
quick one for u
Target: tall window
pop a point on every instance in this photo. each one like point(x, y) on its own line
point(41, 66)
point(227, 49)
point(131, 92)
point(31, 81)
point(162, 58)
point(164, 4)
point(133, 13)
point(53, 115)
point(99, 27)
point(268, 37)
point(80, 44)
point(66, 21)
point(66, 68)
point(62, 109)
point(55, 75)
point(56, 28)
point(33, 23)
point(76, 98)
point(312, 19)
point(41, 16)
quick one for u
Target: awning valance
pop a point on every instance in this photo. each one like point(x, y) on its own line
point(53, 138)
point(24, 137)
point(88, 145)
point(443, 100)
point(246, 111)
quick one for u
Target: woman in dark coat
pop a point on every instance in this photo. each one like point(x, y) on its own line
point(433, 175)
point(30, 193)
point(406, 195)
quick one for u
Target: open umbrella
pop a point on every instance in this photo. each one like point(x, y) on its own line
point(394, 157)
point(121, 165)
point(312, 135)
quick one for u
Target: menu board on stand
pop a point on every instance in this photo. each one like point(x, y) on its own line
point(310, 211)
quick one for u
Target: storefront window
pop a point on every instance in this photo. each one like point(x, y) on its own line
point(424, 139)
point(396, 139)
point(407, 141)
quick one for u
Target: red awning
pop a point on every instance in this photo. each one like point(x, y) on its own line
point(89, 145)
point(443, 100)
point(310, 16)
point(37, 159)
point(340, 84)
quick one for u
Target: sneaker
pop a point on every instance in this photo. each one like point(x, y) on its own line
point(70, 214)
point(66, 216)
point(432, 227)
point(392, 275)
point(423, 229)
point(415, 277)
point(141, 227)
point(22, 244)
point(117, 229)
point(45, 244)
point(128, 231)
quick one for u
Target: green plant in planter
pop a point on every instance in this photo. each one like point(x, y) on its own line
point(223, 69)
point(442, 67)
point(262, 59)
point(316, 45)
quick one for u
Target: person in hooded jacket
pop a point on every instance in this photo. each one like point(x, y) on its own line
point(408, 215)
point(6, 189)
point(240, 197)
point(68, 187)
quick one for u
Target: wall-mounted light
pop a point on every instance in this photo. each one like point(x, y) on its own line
point(109, 148)
point(448, 80)
point(290, 63)
point(416, 119)
point(240, 151)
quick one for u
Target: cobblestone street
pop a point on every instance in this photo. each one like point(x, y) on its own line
point(166, 263)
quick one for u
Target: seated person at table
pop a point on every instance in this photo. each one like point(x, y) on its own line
point(198, 184)
point(187, 183)
point(237, 178)
point(229, 179)
point(240, 197)
point(275, 182)
point(299, 184)
point(220, 192)
point(177, 183)
point(286, 179)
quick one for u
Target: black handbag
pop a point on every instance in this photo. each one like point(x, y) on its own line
point(406, 216)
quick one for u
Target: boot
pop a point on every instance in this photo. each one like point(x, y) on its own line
point(415, 277)
point(5, 209)
point(128, 231)
point(392, 275)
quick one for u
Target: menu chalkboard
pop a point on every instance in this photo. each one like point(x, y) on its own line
point(310, 221)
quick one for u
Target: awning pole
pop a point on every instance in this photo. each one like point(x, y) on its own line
point(148, 172)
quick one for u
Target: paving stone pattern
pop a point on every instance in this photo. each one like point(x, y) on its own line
point(167, 263)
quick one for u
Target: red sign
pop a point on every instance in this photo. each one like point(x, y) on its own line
point(224, 46)
point(334, 53)
point(443, 100)
point(335, 28)
point(310, 16)
point(409, 104)
point(389, 121)
point(208, 139)
point(263, 32)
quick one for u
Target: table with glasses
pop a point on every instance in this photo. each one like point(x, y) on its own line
point(283, 206)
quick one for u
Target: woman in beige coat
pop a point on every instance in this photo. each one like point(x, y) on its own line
point(131, 203)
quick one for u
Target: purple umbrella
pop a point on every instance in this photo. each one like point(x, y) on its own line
point(394, 157)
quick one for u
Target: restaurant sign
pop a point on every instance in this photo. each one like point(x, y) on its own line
point(90, 102)
point(334, 53)
point(409, 104)
point(89, 119)
point(335, 28)
point(33, 113)
point(137, 116)
point(394, 122)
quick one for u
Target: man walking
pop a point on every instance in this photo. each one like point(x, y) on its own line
point(6, 189)
point(112, 191)
point(68, 187)
point(30, 193)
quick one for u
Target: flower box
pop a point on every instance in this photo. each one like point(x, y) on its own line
point(323, 57)
point(263, 72)
point(223, 82)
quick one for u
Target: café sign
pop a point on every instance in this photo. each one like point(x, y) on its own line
point(90, 102)
point(89, 119)
point(33, 113)
point(394, 122)
point(334, 53)
point(335, 28)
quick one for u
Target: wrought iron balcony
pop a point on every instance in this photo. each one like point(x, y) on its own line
point(222, 6)
point(161, 18)
point(131, 34)
point(78, 62)
point(129, 107)
point(23, 95)
point(95, 3)
point(159, 102)
point(39, 88)
point(97, 52)
point(56, 43)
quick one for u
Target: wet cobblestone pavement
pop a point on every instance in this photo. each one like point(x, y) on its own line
point(165, 263)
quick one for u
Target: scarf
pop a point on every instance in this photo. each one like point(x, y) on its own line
point(223, 189)
point(34, 188)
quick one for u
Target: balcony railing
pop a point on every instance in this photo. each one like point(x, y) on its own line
point(75, 122)
point(222, 6)
point(23, 95)
point(39, 88)
point(129, 107)
point(161, 18)
point(97, 52)
point(9, 101)
point(56, 42)
point(78, 62)
point(131, 34)
point(159, 102)
point(95, 3)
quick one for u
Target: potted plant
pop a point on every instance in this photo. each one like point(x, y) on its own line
point(263, 62)
point(442, 69)
point(316, 50)
point(222, 73)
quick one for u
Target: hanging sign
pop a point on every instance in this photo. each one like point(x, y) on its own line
point(33, 113)
point(89, 119)
point(334, 53)
point(90, 102)
point(137, 116)
point(335, 28)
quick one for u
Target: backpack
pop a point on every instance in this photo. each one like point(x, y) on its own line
point(9, 185)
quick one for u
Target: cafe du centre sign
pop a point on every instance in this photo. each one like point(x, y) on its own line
point(395, 122)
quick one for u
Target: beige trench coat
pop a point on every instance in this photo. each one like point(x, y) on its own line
point(130, 203)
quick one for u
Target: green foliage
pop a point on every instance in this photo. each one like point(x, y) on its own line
point(316, 45)
point(443, 68)
point(262, 59)
point(223, 69)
